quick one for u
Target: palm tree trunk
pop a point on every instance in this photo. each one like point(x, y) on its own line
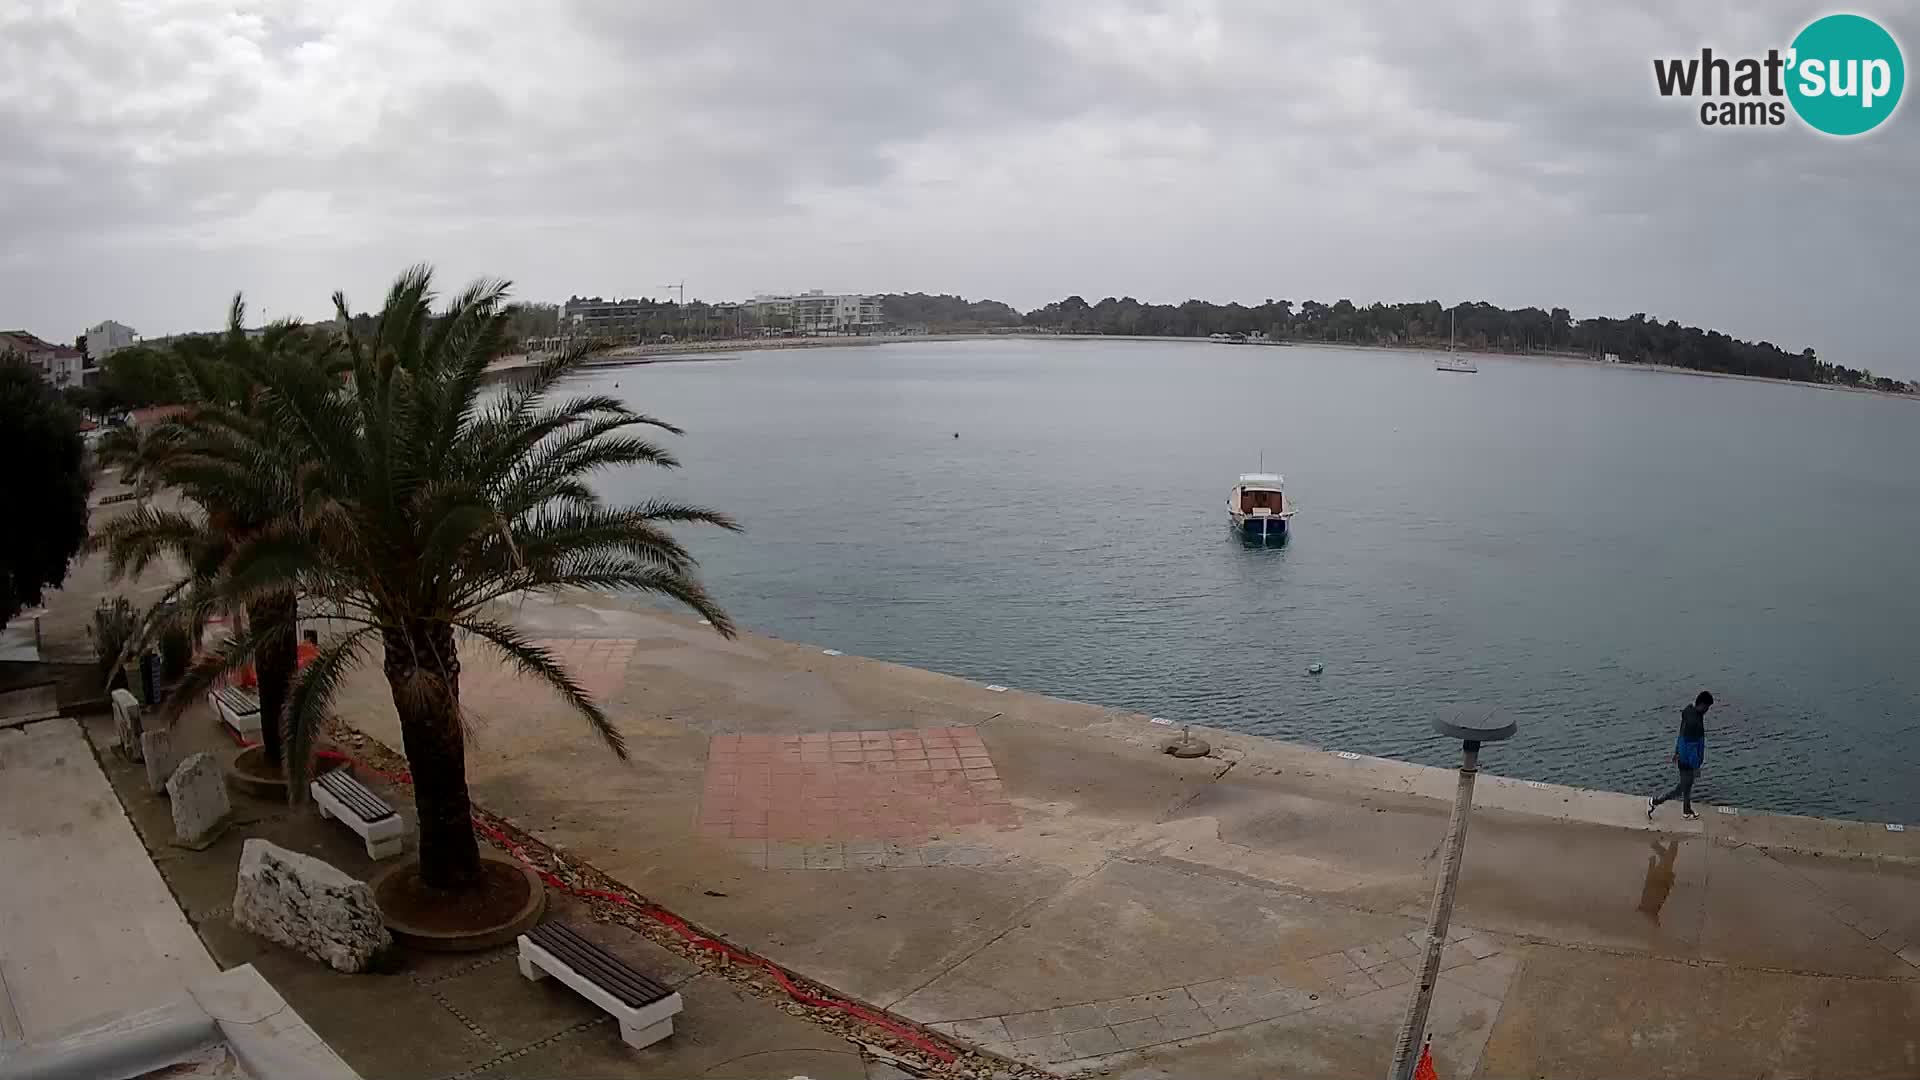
point(274, 661)
point(423, 671)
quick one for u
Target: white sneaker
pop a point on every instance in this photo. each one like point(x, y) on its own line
point(1691, 816)
point(1651, 807)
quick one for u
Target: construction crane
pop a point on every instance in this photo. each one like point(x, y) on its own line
point(682, 309)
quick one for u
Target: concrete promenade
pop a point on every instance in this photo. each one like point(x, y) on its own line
point(1033, 876)
point(87, 926)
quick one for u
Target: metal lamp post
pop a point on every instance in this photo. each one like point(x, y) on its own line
point(1472, 726)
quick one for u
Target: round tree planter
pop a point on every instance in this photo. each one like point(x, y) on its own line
point(248, 774)
point(510, 900)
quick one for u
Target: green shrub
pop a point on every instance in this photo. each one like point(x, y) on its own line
point(114, 625)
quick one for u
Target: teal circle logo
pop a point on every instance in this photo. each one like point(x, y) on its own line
point(1846, 74)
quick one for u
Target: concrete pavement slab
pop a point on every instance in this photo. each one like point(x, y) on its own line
point(87, 926)
point(1655, 1017)
point(722, 1033)
point(1152, 930)
point(1762, 913)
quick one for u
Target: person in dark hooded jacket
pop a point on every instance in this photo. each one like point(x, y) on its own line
point(1689, 753)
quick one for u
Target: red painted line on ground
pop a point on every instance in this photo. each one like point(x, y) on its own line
point(665, 918)
point(699, 940)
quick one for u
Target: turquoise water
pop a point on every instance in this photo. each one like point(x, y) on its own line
point(1584, 547)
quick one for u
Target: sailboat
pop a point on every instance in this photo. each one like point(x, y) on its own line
point(1453, 361)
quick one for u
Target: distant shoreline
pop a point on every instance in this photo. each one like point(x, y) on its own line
point(697, 351)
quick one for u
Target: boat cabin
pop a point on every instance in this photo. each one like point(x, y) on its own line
point(1259, 494)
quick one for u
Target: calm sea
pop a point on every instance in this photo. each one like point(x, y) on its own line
point(1584, 547)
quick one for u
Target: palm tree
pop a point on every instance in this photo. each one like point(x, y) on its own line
point(421, 501)
point(217, 454)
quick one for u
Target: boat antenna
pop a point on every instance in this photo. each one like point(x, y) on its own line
point(1263, 461)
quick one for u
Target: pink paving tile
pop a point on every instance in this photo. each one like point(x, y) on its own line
point(902, 784)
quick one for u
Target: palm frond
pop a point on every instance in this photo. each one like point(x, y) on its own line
point(309, 700)
point(136, 538)
point(232, 654)
point(536, 662)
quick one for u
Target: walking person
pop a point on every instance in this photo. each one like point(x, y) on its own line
point(1689, 751)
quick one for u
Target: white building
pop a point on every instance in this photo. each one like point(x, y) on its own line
point(816, 312)
point(58, 365)
point(108, 338)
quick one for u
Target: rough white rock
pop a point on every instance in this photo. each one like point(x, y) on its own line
point(156, 746)
point(309, 906)
point(198, 789)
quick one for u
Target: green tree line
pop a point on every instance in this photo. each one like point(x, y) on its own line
point(151, 375)
point(1637, 339)
point(944, 313)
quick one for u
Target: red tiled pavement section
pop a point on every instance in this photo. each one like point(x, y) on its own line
point(599, 665)
point(909, 783)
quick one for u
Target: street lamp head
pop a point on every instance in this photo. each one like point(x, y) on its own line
point(1474, 724)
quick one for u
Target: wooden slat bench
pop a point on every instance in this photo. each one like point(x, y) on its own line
point(644, 1007)
point(340, 796)
point(238, 709)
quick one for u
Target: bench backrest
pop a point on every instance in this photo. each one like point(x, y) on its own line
point(237, 699)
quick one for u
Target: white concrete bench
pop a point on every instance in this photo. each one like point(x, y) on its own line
point(644, 1008)
point(344, 799)
point(238, 709)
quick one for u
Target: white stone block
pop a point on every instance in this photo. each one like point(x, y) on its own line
point(126, 723)
point(309, 906)
point(198, 789)
point(156, 748)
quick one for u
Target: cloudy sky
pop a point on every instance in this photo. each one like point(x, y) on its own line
point(157, 156)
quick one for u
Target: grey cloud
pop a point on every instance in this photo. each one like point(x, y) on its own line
point(1023, 149)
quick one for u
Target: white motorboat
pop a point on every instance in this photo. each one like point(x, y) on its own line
point(1258, 506)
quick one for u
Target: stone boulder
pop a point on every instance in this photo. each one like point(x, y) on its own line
point(308, 906)
point(162, 760)
point(198, 790)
